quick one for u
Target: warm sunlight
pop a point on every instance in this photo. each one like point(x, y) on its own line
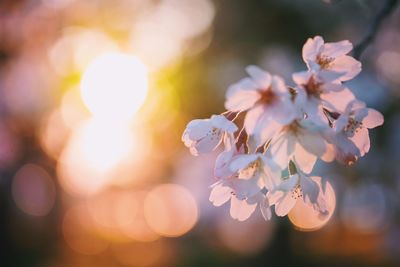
point(114, 86)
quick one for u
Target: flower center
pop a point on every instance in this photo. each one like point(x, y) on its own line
point(313, 86)
point(297, 192)
point(267, 96)
point(324, 61)
point(215, 133)
point(352, 127)
point(251, 170)
point(294, 127)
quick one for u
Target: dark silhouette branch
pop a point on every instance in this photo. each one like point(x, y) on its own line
point(374, 27)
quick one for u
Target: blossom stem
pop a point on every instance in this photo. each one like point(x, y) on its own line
point(241, 140)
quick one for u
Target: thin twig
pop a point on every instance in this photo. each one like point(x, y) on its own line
point(374, 27)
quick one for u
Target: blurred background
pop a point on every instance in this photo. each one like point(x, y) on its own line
point(95, 94)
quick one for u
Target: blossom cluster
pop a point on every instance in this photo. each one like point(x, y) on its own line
point(272, 134)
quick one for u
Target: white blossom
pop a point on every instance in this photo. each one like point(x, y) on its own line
point(241, 207)
point(203, 136)
point(297, 187)
point(266, 99)
point(351, 137)
point(319, 55)
point(285, 130)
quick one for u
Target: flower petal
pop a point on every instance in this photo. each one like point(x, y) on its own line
point(348, 65)
point(337, 49)
point(304, 159)
point(373, 119)
point(242, 161)
point(220, 194)
point(310, 190)
point(260, 77)
point(240, 209)
point(221, 122)
point(311, 49)
point(361, 140)
point(242, 95)
point(285, 204)
point(265, 209)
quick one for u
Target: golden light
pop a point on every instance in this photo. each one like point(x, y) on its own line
point(306, 218)
point(53, 133)
point(79, 232)
point(114, 86)
point(92, 154)
point(246, 238)
point(140, 254)
point(138, 229)
point(77, 48)
point(72, 109)
point(118, 216)
point(170, 210)
point(33, 190)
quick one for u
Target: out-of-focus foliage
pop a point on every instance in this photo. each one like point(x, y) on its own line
point(90, 178)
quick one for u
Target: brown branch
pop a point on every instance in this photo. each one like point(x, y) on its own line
point(374, 27)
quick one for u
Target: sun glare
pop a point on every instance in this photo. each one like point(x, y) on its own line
point(114, 86)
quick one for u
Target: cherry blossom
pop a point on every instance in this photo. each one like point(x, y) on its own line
point(241, 206)
point(298, 186)
point(266, 99)
point(283, 132)
point(352, 138)
point(298, 140)
point(319, 55)
point(203, 136)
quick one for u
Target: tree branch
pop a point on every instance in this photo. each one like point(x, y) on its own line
point(374, 27)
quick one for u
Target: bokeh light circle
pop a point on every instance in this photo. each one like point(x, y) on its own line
point(33, 190)
point(170, 210)
point(114, 86)
point(305, 218)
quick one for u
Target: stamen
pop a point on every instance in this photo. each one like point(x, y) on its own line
point(267, 96)
point(324, 61)
point(297, 192)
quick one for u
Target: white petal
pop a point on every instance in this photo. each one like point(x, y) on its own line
point(373, 119)
point(208, 144)
point(284, 111)
point(278, 85)
point(302, 77)
point(310, 190)
point(329, 154)
point(261, 77)
point(304, 159)
point(313, 142)
point(252, 118)
point(240, 209)
point(332, 87)
point(274, 196)
point(221, 122)
point(285, 204)
point(221, 169)
point(265, 209)
point(312, 48)
point(242, 96)
point(242, 161)
point(280, 150)
point(328, 76)
point(348, 65)
point(197, 129)
point(338, 101)
point(220, 194)
point(361, 140)
point(246, 188)
point(289, 183)
point(337, 49)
